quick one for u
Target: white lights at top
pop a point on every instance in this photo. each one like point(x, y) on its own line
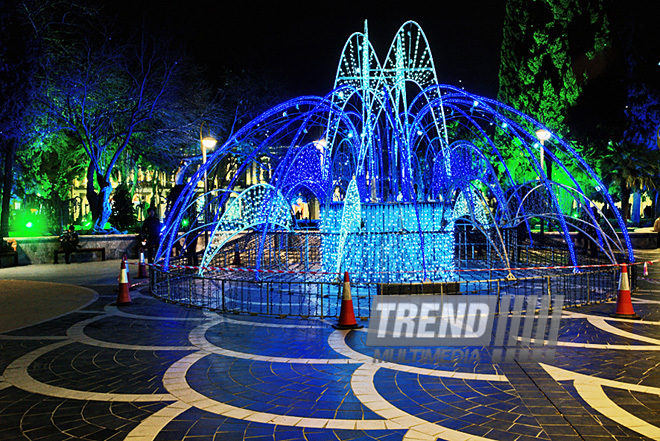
point(543, 134)
point(321, 144)
point(209, 142)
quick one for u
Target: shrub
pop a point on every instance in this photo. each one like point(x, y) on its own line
point(123, 215)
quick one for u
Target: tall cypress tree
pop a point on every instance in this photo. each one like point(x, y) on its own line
point(123, 215)
point(546, 49)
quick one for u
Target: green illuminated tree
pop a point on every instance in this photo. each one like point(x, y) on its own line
point(45, 169)
point(103, 95)
point(116, 97)
point(34, 170)
point(546, 49)
point(639, 136)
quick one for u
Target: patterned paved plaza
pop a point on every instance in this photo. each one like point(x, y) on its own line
point(157, 371)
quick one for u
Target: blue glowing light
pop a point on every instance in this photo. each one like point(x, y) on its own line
point(387, 200)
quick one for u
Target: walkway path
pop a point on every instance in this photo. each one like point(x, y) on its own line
point(153, 370)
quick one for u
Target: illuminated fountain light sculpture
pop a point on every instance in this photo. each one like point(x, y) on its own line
point(397, 163)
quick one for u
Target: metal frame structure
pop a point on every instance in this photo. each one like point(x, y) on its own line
point(397, 163)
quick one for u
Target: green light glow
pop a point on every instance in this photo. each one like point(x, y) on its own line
point(28, 223)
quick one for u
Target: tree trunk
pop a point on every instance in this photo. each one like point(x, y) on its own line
point(7, 185)
point(105, 210)
point(92, 196)
point(99, 203)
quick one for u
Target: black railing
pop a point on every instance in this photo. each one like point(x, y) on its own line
point(301, 288)
point(263, 294)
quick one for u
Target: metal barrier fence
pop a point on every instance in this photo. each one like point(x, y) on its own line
point(263, 294)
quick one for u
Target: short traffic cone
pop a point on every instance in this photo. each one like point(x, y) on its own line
point(346, 314)
point(142, 267)
point(624, 308)
point(124, 297)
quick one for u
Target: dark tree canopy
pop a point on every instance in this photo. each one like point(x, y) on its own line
point(547, 49)
point(123, 214)
point(19, 52)
point(117, 95)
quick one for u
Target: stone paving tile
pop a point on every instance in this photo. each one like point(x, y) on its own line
point(105, 370)
point(648, 311)
point(530, 405)
point(550, 394)
point(639, 404)
point(144, 304)
point(296, 389)
point(640, 328)
point(470, 406)
point(634, 368)
point(12, 349)
point(581, 331)
point(102, 301)
point(196, 424)
point(37, 417)
point(615, 430)
point(131, 331)
point(273, 341)
point(428, 357)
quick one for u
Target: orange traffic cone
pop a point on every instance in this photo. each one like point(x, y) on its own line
point(124, 297)
point(624, 308)
point(646, 269)
point(142, 267)
point(346, 314)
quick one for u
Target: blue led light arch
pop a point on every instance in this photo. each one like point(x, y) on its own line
point(388, 154)
point(258, 205)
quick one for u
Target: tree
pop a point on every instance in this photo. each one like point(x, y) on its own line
point(18, 54)
point(631, 168)
point(102, 94)
point(27, 27)
point(44, 171)
point(124, 102)
point(243, 96)
point(545, 45)
point(617, 115)
point(123, 213)
point(116, 96)
point(643, 116)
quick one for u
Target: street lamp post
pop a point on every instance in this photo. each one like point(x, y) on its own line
point(543, 135)
point(205, 143)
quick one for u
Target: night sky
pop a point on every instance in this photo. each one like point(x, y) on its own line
point(299, 43)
